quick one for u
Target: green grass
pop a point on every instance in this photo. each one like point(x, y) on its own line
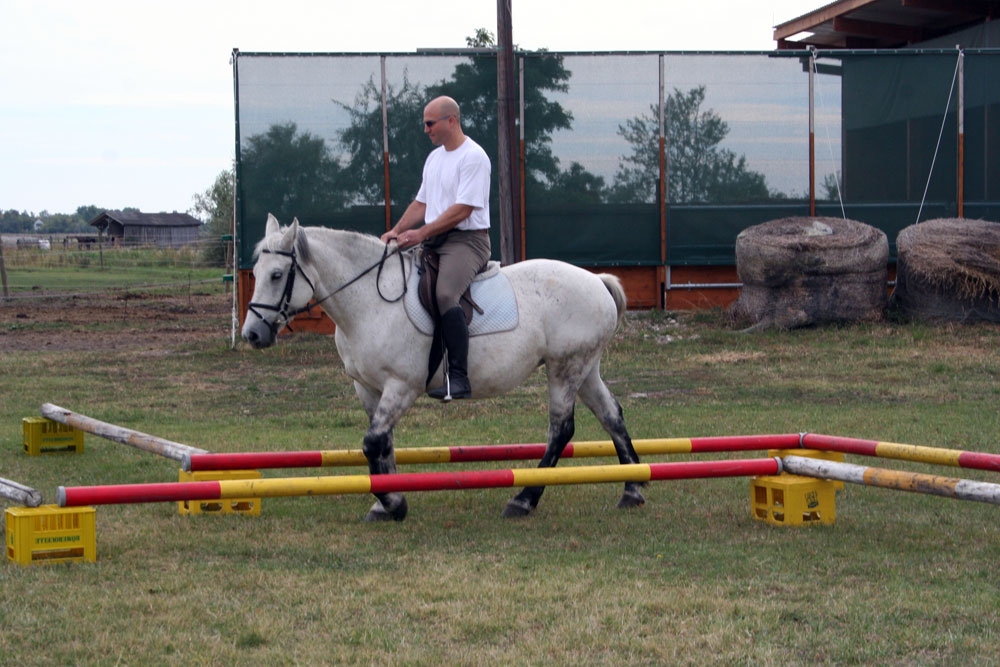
point(690, 578)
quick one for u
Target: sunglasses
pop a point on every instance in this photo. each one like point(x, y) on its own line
point(431, 123)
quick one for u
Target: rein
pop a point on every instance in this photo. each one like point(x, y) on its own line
point(281, 308)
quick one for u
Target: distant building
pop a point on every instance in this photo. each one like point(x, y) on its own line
point(156, 229)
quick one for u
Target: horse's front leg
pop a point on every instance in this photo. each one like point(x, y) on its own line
point(384, 410)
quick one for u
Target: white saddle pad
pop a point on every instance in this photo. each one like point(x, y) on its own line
point(491, 290)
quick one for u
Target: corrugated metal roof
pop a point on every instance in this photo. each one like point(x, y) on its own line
point(130, 218)
point(882, 24)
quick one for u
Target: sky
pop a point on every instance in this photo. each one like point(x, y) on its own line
point(130, 104)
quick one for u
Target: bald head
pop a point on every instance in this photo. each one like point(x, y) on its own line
point(443, 106)
point(442, 123)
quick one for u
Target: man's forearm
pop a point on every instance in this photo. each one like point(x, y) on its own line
point(448, 220)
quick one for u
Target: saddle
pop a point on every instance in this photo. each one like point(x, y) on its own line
point(427, 268)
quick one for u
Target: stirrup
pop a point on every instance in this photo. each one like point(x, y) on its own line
point(444, 397)
point(444, 393)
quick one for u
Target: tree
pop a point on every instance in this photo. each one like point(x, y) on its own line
point(831, 187)
point(52, 223)
point(363, 176)
point(473, 85)
point(13, 221)
point(575, 186)
point(214, 207)
point(483, 39)
point(289, 174)
point(63, 223)
point(90, 212)
point(698, 169)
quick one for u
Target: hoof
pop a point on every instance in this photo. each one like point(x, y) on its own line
point(516, 509)
point(378, 512)
point(631, 499)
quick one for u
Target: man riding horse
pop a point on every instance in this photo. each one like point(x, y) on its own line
point(450, 216)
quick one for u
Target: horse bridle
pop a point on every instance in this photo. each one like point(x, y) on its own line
point(281, 308)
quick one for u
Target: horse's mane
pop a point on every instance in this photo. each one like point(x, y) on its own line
point(349, 237)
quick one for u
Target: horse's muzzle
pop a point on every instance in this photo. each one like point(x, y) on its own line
point(258, 333)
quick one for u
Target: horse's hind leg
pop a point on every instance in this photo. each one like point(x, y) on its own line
point(560, 432)
point(596, 396)
point(562, 400)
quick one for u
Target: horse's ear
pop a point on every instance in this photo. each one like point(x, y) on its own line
point(272, 225)
point(301, 241)
point(288, 238)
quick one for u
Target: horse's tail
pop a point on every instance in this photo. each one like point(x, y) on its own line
point(614, 285)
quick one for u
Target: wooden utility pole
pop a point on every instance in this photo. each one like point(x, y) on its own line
point(509, 177)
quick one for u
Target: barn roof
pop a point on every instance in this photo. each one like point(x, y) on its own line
point(882, 24)
point(135, 218)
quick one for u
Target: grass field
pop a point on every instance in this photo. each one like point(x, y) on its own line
point(690, 578)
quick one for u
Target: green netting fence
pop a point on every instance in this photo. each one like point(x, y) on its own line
point(629, 159)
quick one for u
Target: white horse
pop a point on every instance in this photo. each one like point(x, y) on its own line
point(567, 317)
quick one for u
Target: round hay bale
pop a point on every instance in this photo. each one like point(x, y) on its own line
point(802, 271)
point(948, 269)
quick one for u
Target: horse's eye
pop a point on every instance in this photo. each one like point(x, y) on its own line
point(276, 275)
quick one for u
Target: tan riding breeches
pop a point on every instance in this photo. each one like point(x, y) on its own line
point(463, 254)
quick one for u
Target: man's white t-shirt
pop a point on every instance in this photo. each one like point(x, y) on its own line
point(461, 176)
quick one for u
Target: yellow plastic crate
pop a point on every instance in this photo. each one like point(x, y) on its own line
point(246, 506)
point(793, 500)
point(50, 534)
point(45, 436)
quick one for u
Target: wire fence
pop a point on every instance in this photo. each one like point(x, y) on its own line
point(60, 266)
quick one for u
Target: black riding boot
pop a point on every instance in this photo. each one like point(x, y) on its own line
point(455, 334)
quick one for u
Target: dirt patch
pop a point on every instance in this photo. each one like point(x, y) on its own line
point(133, 320)
point(729, 357)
